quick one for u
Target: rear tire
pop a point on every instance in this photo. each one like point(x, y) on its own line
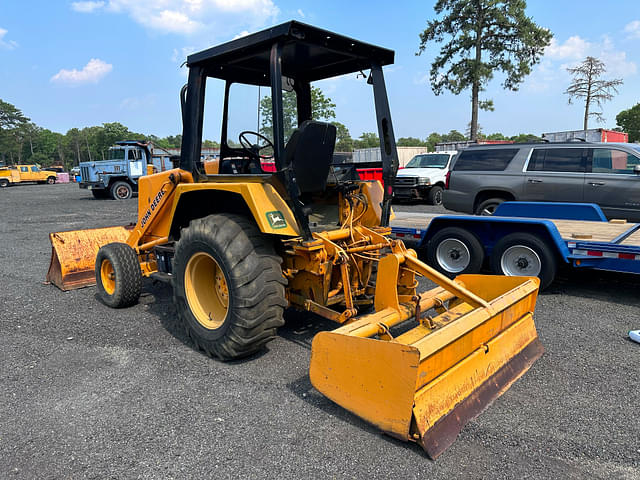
point(454, 251)
point(488, 207)
point(524, 254)
point(229, 290)
point(118, 275)
point(4, 183)
point(51, 180)
point(435, 195)
point(121, 191)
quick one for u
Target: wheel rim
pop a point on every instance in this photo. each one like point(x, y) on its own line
point(453, 255)
point(108, 276)
point(437, 198)
point(122, 192)
point(50, 181)
point(489, 209)
point(207, 291)
point(520, 260)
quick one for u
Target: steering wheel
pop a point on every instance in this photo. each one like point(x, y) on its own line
point(251, 149)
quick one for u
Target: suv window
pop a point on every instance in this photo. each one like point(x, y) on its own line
point(485, 160)
point(557, 160)
point(607, 160)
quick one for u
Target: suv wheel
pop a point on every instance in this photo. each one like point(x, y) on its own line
point(489, 206)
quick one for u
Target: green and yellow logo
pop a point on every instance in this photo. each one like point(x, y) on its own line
point(276, 219)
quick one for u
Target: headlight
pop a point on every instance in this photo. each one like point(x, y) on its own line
point(424, 180)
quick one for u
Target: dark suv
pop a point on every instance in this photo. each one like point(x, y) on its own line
point(608, 174)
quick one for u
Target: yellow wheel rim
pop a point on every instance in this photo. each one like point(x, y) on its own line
point(206, 289)
point(108, 276)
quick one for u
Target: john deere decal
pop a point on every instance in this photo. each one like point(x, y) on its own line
point(276, 219)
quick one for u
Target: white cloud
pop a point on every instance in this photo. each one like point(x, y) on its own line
point(86, 7)
point(617, 63)
point(172, 21)
point(632, 29)
point(552, 71)
point(573, 49)
point(189, 17)
point(181, 54)
point(92, 72)
point(300, 12)
point(6, 44)
point(243, 33)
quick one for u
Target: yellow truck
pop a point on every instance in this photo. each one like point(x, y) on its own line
point(25, 173)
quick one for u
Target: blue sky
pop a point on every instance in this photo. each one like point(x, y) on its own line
point(74, 64)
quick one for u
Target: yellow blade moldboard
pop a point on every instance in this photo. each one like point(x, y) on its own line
point(426, 384)
point(73, 255)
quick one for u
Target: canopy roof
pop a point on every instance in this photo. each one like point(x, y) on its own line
point(308, 54)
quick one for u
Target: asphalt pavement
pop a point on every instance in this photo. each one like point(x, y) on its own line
point(91, 392)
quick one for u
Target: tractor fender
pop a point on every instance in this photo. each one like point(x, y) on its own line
point(196, 200)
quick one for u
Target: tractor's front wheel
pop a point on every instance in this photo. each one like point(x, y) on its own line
point(118, 275)
point(229, 290)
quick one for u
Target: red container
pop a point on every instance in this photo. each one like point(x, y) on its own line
point(268, 166)
point(370, 173)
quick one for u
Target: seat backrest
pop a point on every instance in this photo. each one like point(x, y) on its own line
point(309, 152)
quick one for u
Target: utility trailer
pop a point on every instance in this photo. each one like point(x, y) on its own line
point(524, 238)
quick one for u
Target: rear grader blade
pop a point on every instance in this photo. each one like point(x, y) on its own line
point(73, 255)
point(426, 383)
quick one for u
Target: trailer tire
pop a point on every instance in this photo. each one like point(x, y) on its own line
point(121, 191)
point(4, 183)
point(228, 287)
point(435, 195)
point(524, 254)
point(51, 180)
point(100, 194)
point(118, 275)
point(454, 251)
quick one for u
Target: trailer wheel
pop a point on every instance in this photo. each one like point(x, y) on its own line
point(229, 290)
point(118, 275)
point(4, 183)
point(51, 180)
point(435, 195)
point(526, 255)
point(454, 251)
point(121, 191)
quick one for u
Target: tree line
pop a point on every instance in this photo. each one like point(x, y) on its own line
point(22, 141)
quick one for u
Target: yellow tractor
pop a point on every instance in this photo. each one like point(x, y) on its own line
point(240, 245)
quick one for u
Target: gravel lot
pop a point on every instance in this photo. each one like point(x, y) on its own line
point(90, 392)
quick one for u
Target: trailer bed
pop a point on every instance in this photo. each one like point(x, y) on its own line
point(418, 223)
point(575, 234)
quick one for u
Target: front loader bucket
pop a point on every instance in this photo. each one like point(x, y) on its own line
point(73, 255)
point(425, 384)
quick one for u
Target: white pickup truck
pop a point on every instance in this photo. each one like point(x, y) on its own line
point(424, 177)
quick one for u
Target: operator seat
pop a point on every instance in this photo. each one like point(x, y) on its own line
point(309, 152)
